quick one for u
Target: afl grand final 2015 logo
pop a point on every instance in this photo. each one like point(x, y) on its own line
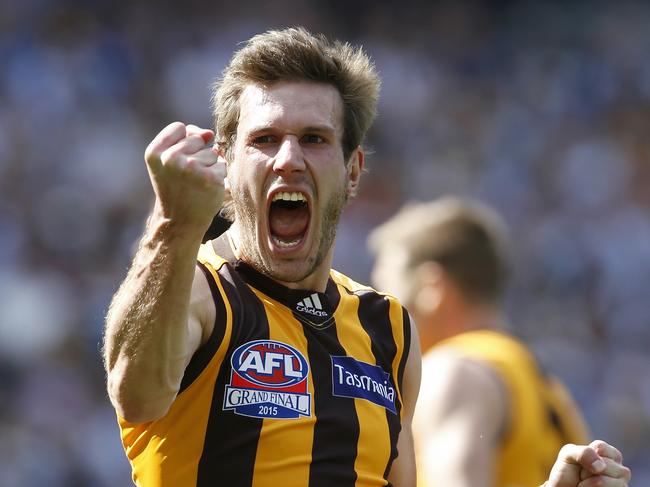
point(268, 380)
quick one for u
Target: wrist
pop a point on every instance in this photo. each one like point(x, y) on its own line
point(173, 233)
point(166, 226)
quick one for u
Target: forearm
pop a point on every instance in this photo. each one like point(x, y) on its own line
point(147, 340)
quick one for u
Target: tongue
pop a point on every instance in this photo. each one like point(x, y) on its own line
point(288, 223)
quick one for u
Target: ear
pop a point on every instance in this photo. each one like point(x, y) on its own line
point(221, 153)
point(354, 170)
point(430, 289)
point(226, 205)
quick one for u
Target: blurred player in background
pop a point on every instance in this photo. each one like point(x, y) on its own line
point(487, 414)
point(260, 365)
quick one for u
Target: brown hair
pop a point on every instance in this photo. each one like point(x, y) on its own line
point(294, 55)
point(467, 239)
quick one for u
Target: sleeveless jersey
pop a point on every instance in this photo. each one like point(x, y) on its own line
point(542, 416)
point(293, 388)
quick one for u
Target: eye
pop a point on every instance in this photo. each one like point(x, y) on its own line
point(263, 140)
point(313, 139)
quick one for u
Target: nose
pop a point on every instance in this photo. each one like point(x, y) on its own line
point(289, 158)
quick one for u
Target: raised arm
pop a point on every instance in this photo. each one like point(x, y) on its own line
point(402, 473)
point(163, 312)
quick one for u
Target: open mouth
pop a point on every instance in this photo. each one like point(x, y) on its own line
point(289, 217)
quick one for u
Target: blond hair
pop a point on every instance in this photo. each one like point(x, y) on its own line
point(296, 55)
point(466, 238)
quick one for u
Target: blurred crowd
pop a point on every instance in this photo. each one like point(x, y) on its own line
point(541, 109)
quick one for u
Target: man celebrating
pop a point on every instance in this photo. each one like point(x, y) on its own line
point(260, 365)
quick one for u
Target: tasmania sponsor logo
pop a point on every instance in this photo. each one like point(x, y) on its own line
point(268, 380)
point(355, 379)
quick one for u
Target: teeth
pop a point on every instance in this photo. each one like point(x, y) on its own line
point(283, 243)
point(286, 196)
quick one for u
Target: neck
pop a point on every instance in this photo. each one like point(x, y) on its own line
point(460, 319)
point(315, 281)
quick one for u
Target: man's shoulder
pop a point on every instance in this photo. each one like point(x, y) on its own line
point(210, 256)
point(456, 382)
point(503, 353)
point(487, 341)
point(354, 287)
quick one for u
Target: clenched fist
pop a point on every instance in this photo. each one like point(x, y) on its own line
point(188, 176)
point(596, 465)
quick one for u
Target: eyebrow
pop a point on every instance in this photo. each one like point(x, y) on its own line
point(311, 128)
point(320, 128)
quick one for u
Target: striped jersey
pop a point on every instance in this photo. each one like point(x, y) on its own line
point(293, 387)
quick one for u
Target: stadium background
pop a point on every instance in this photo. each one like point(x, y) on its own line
point(539, 108)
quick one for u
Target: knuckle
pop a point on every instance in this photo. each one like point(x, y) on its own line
point(190, 165)
point(627, 474)
point(173, 132)
point(169, 158)
point(194, 138)
point(175, 163)
point(161, 143)
point(567, 449)
point(151, 155)
point(177, 129)
point(176, 125)
point(598, 445)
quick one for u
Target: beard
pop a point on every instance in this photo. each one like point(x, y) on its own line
point(245, 213)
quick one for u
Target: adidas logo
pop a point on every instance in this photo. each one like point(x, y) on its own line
point(311, 305)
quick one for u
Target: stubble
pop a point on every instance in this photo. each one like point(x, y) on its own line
point(245, 212)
